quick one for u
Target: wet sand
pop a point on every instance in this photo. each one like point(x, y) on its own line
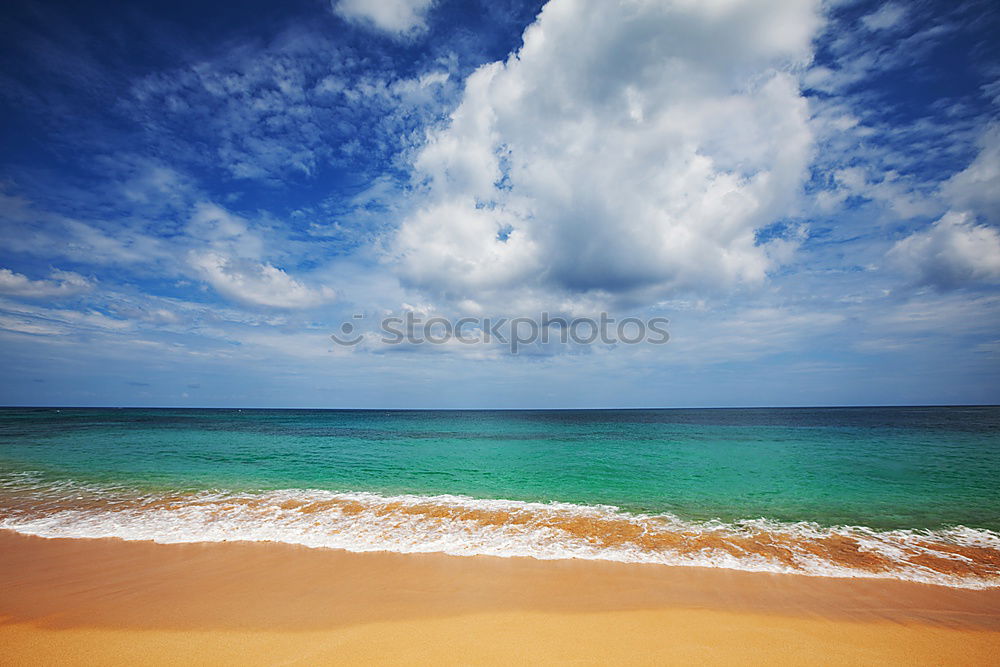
point(113, 602)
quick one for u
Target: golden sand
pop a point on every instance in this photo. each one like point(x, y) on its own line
point(114, 602)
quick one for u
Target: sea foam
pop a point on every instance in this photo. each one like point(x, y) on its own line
point(463, 526)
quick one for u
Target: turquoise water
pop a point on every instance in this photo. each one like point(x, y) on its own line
point(882, 469)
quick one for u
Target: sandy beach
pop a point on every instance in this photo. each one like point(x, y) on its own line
point(113, 602)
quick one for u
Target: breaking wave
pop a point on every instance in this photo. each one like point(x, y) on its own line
point(463, 526)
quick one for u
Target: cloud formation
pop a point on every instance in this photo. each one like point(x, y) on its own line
point(60, 284)
point(229, 192)
point(285, 111)
point(623, 148)
point(977, 187)
point(255, 283)
point(399, 18)
point(953, 252)
point(885, 17)
point(956, 251)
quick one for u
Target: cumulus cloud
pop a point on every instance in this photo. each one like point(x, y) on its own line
point(232, 261)
point(956, 251)
point(255, 283)
point(977, 187)
point(953, 252)
point(626, 146)
point(396, 17)
point(60, 284)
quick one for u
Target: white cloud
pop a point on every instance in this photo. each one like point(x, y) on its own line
point(286, 110)
point(255, 283)
point(213, 225)
point(41, 320)
point(60, 284)
point(898, 194)
point(28, 229)
point(951, 253)
point(627, 146)
point(236, 256)
point(397, 17)
point(885, 17)
point(955, 250)
point(977, 187)
point(874, 47)
point(231, 258)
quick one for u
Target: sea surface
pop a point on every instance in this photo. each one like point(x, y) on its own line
point(906, 492)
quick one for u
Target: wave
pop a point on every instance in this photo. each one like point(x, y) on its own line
point(463, 526)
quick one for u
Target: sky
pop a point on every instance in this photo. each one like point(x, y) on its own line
point(195, 196)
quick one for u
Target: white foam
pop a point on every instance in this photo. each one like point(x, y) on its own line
point(363, 522)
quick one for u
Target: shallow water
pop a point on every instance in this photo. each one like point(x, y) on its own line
point(908, 493)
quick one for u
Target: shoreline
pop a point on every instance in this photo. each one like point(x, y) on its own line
point(956, 556)
point(108, 600)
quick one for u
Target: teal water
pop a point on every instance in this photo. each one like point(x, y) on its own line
point(882, 477)
point(880, 467)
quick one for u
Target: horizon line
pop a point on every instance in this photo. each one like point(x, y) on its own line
point(550, 409)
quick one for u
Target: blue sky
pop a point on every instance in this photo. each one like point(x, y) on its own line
point(194, 196)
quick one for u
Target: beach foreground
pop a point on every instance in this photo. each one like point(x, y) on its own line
point(75, 601)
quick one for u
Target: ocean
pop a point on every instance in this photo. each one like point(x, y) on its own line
point(903, 492)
